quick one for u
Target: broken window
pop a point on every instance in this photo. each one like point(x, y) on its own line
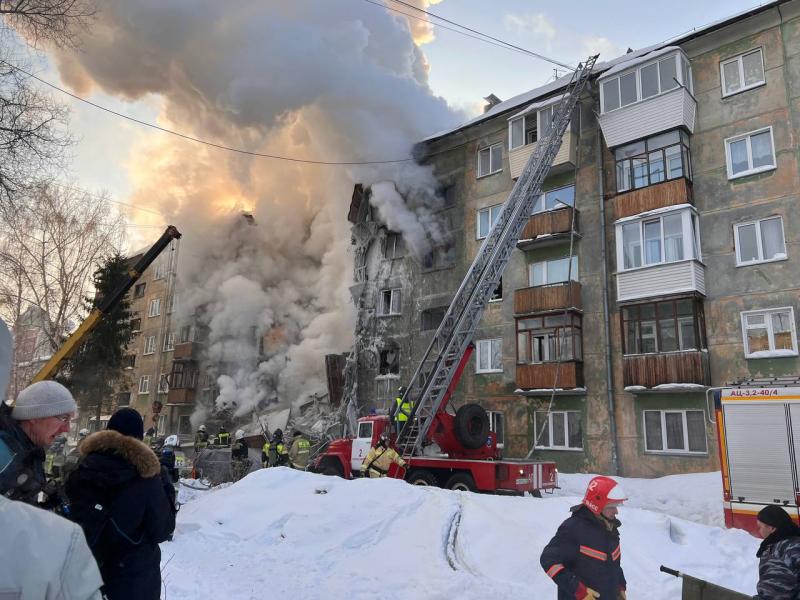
point(432, 317)
point(389, 360)
point(136, 325)
point(497, 295)
point(395, 247)
point(390, 302)
point(441, 257)
point(138, 291)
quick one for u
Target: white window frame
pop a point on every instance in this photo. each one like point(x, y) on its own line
point(394, 246)
point(690, 230)
point(154, 308)
point(543, 197)
point(172, 302)
point(574, 274)
point(563, 414)
point(144, 384)
point(494, 212)
point(163, 383)
point(160, 270)
point(761, 259)
point(392, 292)
point(496, 416)
point(492, 167)
point(770, 334)
point(751, 170)
point(489, 368)
point(169, 341)
point(740, 60)
point(678, 57)
point(150, 343)
point(665, 450)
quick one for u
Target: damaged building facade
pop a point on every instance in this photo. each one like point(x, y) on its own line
point(660, 262)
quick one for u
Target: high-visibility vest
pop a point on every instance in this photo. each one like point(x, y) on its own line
point(402, 409)
point(223, 438)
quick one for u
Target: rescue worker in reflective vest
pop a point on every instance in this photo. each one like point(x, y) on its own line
point(402, 410)
point(223, 437)
point(200, 439)
point(278, 452)
point(299, 452)
point(380, 458)
point(583, 558)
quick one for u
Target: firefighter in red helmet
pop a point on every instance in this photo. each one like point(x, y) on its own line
point(583, 558)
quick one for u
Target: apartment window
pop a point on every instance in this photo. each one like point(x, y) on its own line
point(386, 391)
point(497, 294)
point(169, 342)
point(155, 307)
point(447, 193)
point(390, 302)
point(160, 269)
point(523, 131)
point(497, 425)
point(489, 356)
point(647, 162)
point(389, 360)
point(750, 153)
point(150, 344)
point(163, 384)
point(144, 384)
point(442, 256)
point(551, 272)
point(549, 339)
point(138, 290)
point(172, 303)
point(760, 241)
point(432, 318)
point(646, 81)
point(186, 334)
point(123, 399)
point(558, 430)
point(490, 160)
point(742, 72)
point(136, 325)
point(182, 376)
point(665, 238)
point(486, 219)
point(553, 199)
point(394, 246)
point(675, 431)
point(769, 333)
point(670, 326)
point(129, 361)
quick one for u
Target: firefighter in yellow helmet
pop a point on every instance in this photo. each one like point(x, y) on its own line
point(380, 458)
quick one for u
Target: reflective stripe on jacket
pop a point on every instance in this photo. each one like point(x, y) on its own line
point(402, 409)
point(379, 459)
point(298, 455)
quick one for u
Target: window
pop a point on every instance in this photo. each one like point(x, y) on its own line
point(646, 81)
point(769, 333)
point(136, 325)
point(184, 425)
point(558, 430)
point(138, 290)
point(489, 356)
point(549, 338)
point(760, 241)
point(155, 307)
point(675, 431)
point(129, 361)
point(123, 399)
point(394, 246)
point(487, 218)
point(389, 360)
point(670, 326)
point(647, 162)
point(432, 317)
point(448, 193)
point(742, 72)
point(553, 199)
point(551, 272)
point(186, 334)
point(750, 153)
point(160, 269)
point(163, 384)
point(183, 375)
point(668, 237)
point(497, 294)
point(490, 160)
point(530, 128)
point(172, 303)
point(365, 430)
point(386, 391)
point(169, 341)
point(144, 384)
point(390, 302)
point(442, 256)
point(497, 424)
point(150, 344)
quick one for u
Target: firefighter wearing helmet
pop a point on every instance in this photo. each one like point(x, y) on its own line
point(380, 458)
point(200, 439)
point(402, 409)
point(584, 557)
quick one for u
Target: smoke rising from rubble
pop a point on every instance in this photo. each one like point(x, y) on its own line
point(318, 80)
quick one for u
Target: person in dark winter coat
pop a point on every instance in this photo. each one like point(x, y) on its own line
point(779, 555)
point(125, 502)
point(583, 558)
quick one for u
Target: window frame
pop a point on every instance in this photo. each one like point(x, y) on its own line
point(496, 416)
point(139, 290)
point(768, 312)
point(493, 169)
point(163, 383)
point(759, 243)
point(698, 322)
point(490, 341)
point(543, 197)
point(148, 344)
point(492, 220)
point(690, 231)
point(739, 59)
point(684, 423)
point(169, 341)
point(685, 155)
point(394, 246)
point(391, 291)
point(564, 414)
point(573, 273)
point(747, 136)
point(144, 385)
point(151, 311)
point(678, 58)
point(571, 330)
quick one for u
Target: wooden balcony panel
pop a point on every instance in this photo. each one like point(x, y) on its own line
point(547, 297)
point(660, 195)
point(180, 396)
point(185, 351)
point(551, 222)
point(543, 375)
point(650, 370)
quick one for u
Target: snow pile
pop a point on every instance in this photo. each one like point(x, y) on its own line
point(282, 532)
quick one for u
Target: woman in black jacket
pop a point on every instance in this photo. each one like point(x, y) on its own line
point(125, 503)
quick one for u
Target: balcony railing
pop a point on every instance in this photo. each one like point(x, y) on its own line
point(660, 195)
point(547, 297)
point(650, 370)
point(564, 160)
point(547, 226)
point(185, 351)
point(180, 396)
point(543, 375)
point(661, 280)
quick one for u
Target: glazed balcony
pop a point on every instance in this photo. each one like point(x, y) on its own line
point(547, 297)
point(650, 370)
point(564, 160)
point(543, 375)
point(546, 227)
point(660, 195)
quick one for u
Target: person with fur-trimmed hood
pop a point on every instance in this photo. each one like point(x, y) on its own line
point(779, 555)
point(125, 502)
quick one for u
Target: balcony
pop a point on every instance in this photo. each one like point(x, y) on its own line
point(660, 195)
point(564, 160)
point(650, 370)
point(180, 396)
point(543, 375)
point(547, 297)
point(661, 280)
point(185, 351)
point(547, 227)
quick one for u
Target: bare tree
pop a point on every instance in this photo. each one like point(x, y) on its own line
point(58, 22)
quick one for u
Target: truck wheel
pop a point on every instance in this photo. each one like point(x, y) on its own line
point(330, 467)
point(472, 426)
point(422, 477)
point(461, 482)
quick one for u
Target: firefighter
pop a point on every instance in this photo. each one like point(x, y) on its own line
point(240, 459)
point(583, 558)
point(402, 410)
point(223, 437)
point(278, 453)
point(200, 439)
point(380, 458)
point(779, 555)
point(299, 452)
point(167, 457)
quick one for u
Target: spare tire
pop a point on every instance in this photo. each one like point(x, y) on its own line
point(472, 426)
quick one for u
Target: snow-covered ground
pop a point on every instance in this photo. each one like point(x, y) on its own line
point(280, 532)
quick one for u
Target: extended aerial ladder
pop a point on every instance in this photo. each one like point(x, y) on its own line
point(451, 346)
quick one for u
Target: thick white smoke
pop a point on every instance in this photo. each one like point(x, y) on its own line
point(335, 81)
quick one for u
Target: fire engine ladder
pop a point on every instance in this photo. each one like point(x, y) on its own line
point(429, 385)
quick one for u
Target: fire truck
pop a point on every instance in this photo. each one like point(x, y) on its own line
point(758, 431)
point(456, 450)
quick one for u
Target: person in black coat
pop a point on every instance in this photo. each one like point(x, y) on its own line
point(583, 558)
point(125, 502)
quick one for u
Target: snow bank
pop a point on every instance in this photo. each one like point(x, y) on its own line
point(279, 532)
